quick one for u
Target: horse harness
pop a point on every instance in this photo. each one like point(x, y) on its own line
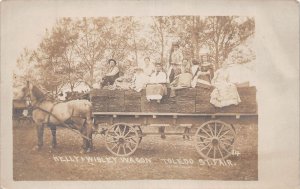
point(50, 113)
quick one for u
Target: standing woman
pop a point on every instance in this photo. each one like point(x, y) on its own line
point(176, 56)
point(112, 74)
point(186, 66)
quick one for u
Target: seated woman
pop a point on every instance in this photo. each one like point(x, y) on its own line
point(112, 75)
point(183, 80)
point(186, 65)
point(140, 80)
point(203, 74)
point(225, 93)
point(156, 88)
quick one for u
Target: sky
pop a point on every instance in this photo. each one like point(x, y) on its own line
point(23, 25)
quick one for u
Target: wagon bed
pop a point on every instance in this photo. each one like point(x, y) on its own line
point(122, 115)
point(189, 100)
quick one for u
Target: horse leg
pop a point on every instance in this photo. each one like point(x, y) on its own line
point(53, 132)
point(84, 141)
point(40, 134)
point(89, 132)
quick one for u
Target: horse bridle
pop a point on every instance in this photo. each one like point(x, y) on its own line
point(31, 106)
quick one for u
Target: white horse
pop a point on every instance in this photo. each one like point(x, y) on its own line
point(75, 114)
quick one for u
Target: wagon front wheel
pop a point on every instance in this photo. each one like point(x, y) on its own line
point(214, 140)
point(121, 139)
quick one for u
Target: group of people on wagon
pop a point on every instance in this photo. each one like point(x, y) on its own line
point(181, 73)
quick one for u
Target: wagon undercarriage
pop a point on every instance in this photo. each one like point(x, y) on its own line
point(213, 135)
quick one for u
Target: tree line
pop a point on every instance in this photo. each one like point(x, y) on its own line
point(75, 50)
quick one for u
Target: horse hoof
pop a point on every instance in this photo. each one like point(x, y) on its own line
point(82, 151)
point(36, 148)
point(88, 150)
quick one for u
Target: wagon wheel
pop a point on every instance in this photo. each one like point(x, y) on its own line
point(121, 139)
point(214, 140)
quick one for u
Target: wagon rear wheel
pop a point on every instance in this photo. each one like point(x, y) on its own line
point(121, 139)
point(214, 140)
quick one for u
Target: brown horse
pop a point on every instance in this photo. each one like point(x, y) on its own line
point(75, 114)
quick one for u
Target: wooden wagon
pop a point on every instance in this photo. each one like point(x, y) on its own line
point(122, 115)
point(19, 106)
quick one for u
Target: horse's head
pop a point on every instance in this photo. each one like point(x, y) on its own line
point(31, 94)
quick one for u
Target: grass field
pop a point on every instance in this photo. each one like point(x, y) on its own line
point(155, 158)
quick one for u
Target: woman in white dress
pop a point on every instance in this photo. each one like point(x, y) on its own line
point(140, 80)
point(225, 93)
point(156, 88)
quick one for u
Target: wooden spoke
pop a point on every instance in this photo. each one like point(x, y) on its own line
point(212, 134)
point(204, 147)
point(119, 146)
point(214, 153)
point(115, 131)
point(134, 142)
point(129, 131)
point(202, 142)
point(220, 130)
point(205, 138)
point(209, 150)
point(129, 146)
point(220, 152)
point(114, 146)
point(226, 143)
point(206, 133)
point(111, 141)
point(215, 134)
point(228, 138)
point(224, 133)
point(214, 139)
point(226, 150)
point(124, 149)
point(121, 140)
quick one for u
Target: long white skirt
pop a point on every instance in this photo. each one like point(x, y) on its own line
point(225, 94)
point(155, 91)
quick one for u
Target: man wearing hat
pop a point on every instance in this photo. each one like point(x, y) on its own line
point(156, 88)
point(112, 75)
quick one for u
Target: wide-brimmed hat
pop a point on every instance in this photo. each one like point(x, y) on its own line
point(138, 69)
point(175, 44)
point(112, 60)
point(195, 62)
point(205, 63)
point(174, 63)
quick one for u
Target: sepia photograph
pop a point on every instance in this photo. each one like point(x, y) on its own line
point(149, 94)
point(165, 94)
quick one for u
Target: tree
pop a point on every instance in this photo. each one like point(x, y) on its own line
point(90, 46)
point(55, 57)
point(227, 32)
point(192, 33)
point(161, 28)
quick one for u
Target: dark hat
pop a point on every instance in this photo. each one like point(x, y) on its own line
point(112, 60)
point(138, 69)
point(195, 62)
point(175, 44)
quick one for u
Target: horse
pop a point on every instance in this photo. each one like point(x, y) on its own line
point(74, 114)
